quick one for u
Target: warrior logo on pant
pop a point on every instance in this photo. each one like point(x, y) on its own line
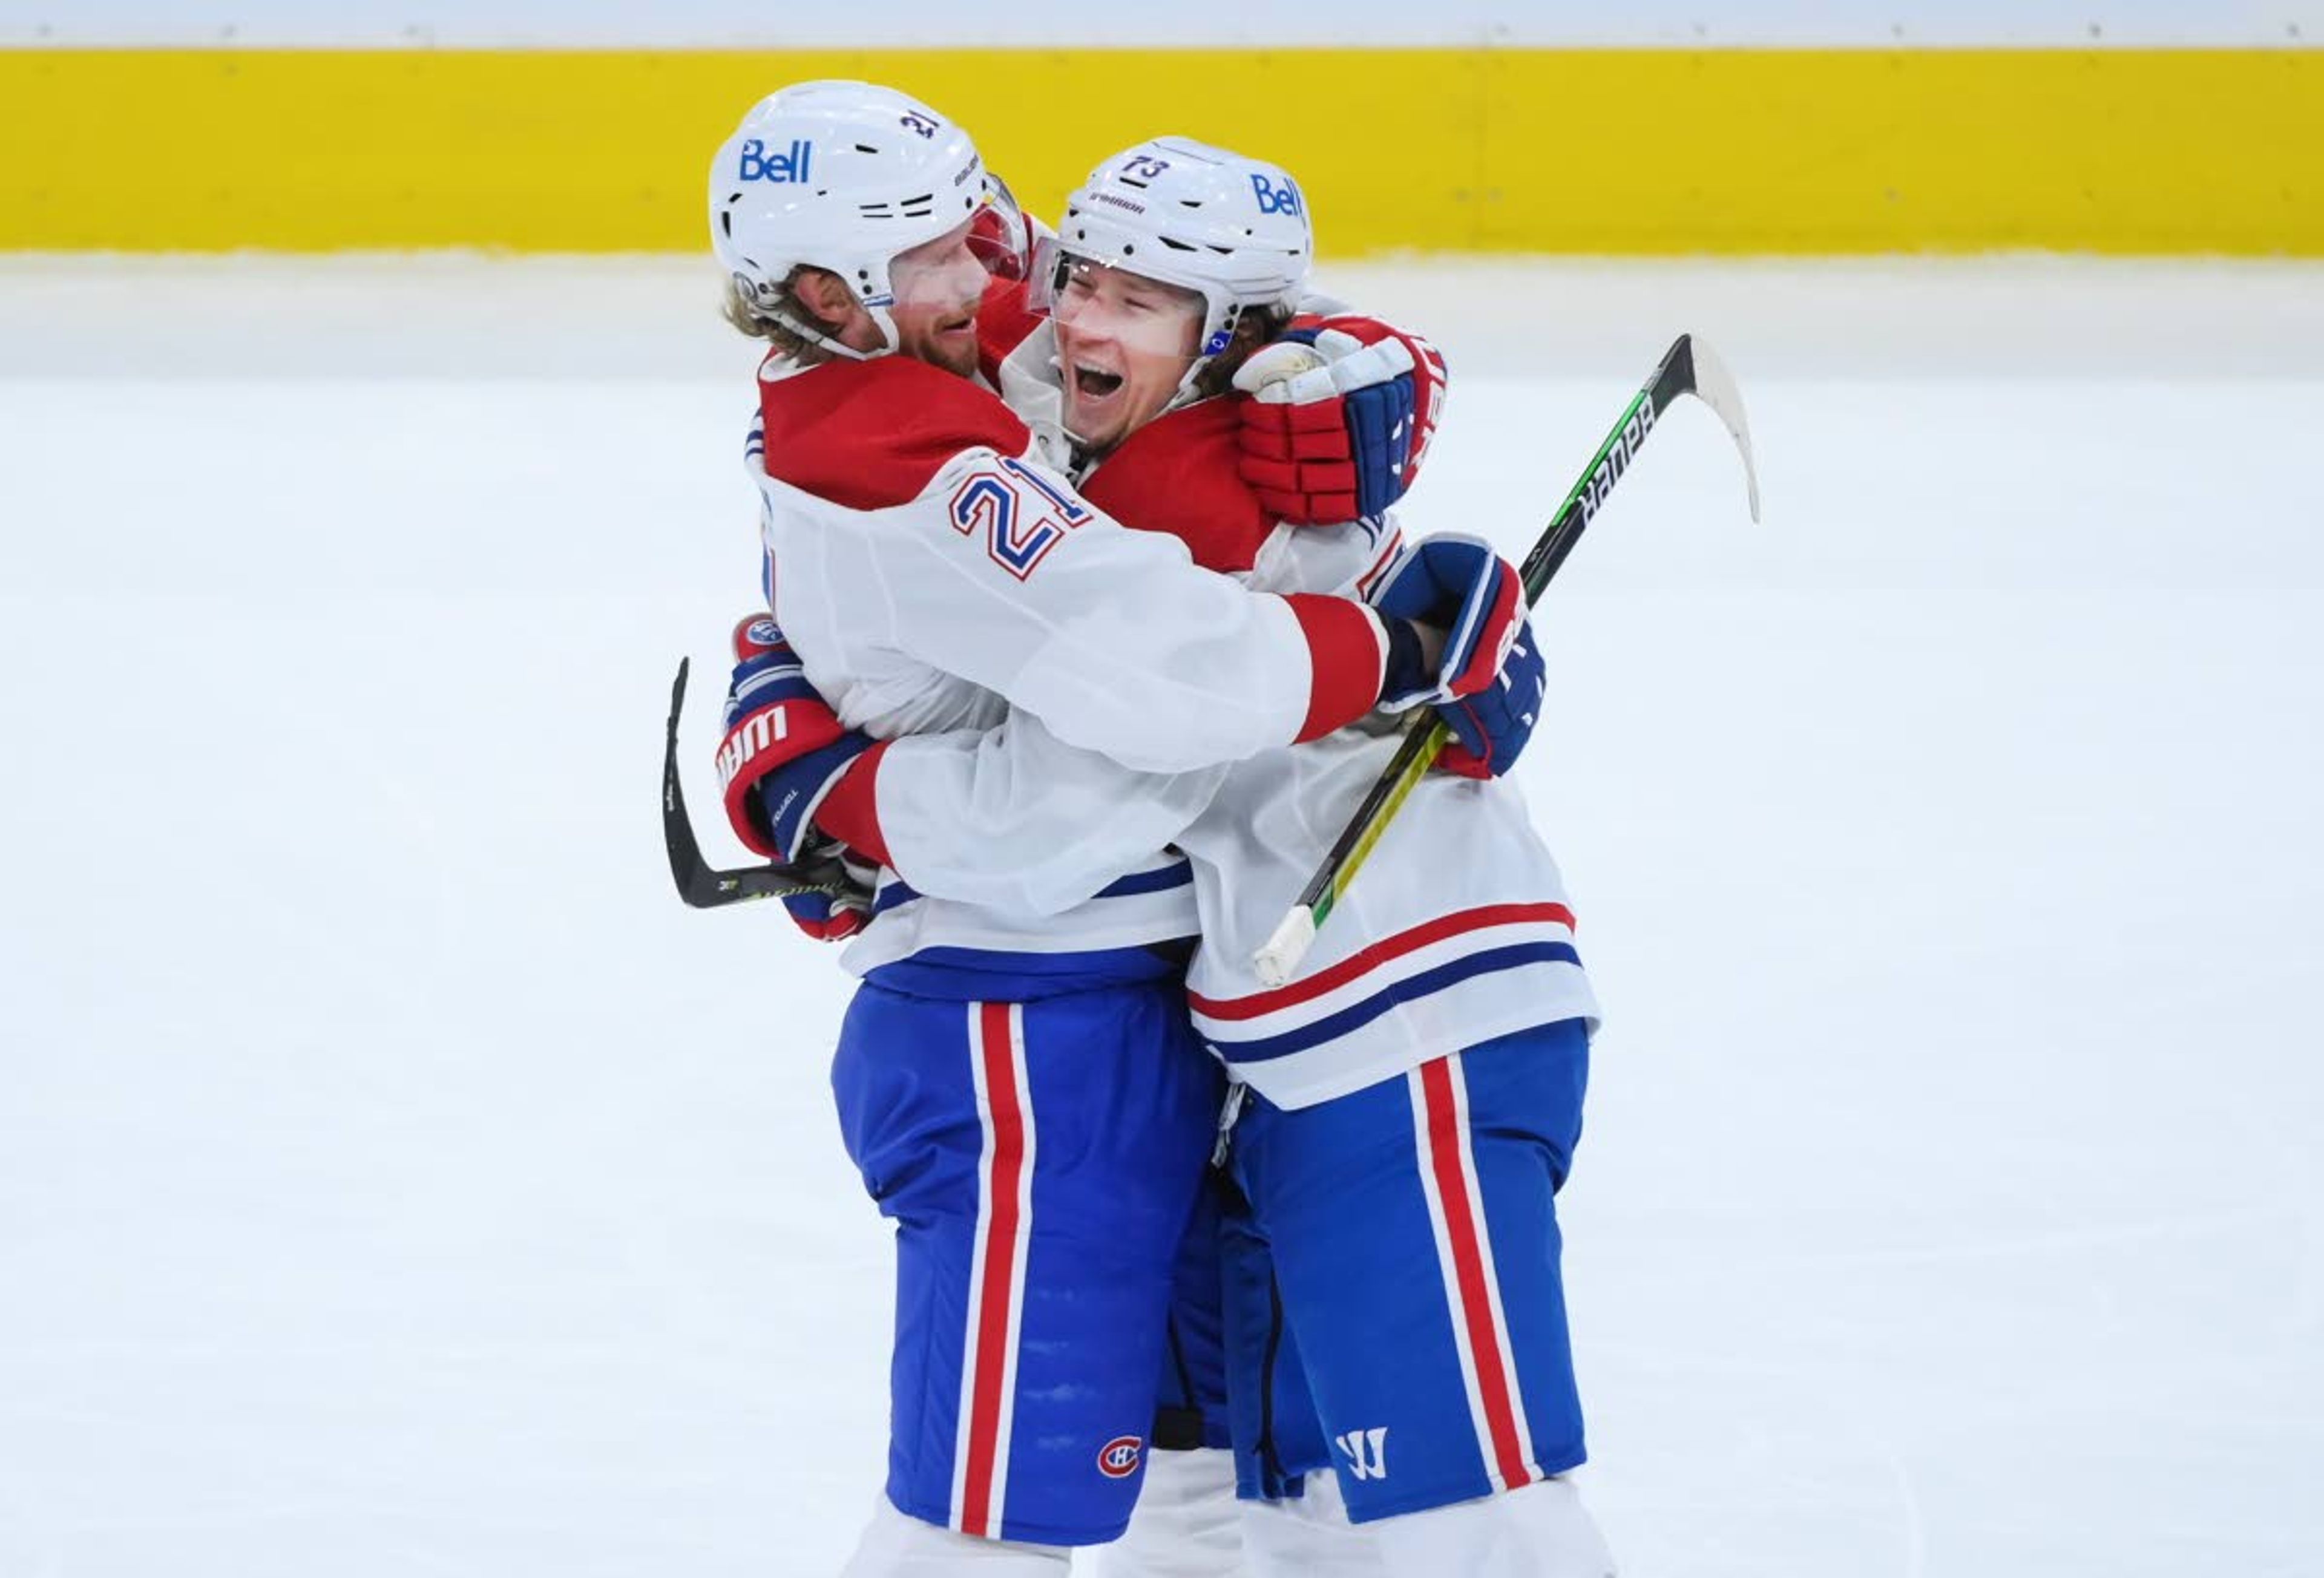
point(1367, 1451)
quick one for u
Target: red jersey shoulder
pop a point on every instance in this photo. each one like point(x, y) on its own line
point(1003, 322)
point(869, 435)
point(1177, 474)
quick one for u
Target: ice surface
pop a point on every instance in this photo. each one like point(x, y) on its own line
point(396, 1180)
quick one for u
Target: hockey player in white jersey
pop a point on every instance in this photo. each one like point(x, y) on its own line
point(1017, 1084)
point(1413, 1097)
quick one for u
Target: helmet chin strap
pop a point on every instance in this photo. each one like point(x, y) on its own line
point(815, 334)
point(889, 342)
point(1214, 344)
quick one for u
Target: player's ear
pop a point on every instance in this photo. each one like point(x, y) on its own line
point(824, 295)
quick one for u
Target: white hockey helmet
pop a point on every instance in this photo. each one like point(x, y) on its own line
point(1233, 228)
point(843, 176)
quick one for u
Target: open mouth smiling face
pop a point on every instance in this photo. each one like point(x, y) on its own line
point(1124, 344)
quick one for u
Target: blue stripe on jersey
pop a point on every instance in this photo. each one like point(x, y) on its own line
point(977, 975)
point(1332, 1025)
point(1160, 879)
point(1178, 874)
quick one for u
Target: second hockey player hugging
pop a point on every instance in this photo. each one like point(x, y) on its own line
point(1059, 749)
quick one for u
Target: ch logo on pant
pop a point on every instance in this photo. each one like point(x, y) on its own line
point(1117, 1458)
point(1367, 1451)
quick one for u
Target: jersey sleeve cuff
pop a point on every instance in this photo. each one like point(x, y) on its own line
point(1347, 649)
point(850, 808)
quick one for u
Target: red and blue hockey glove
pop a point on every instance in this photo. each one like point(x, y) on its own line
point(1488, 684)
point(784, 748)
point(1341, 413)
point(783, 759)
point(832, 917)
point(1493, 725)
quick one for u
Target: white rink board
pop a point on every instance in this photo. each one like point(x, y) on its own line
point(396, 1179)
point(1561, 24)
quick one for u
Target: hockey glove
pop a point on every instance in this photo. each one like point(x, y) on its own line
point(832, 917)
point(784, 751)
point(1340, 420)
point(1493, 725)
point(1487, 686)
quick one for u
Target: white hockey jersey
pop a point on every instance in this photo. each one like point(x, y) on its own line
point(1458, 929)
point(934, 573)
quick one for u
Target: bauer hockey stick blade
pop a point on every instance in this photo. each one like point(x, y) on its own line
point(1688, 367)
point(1714, 386)
point(700, 885)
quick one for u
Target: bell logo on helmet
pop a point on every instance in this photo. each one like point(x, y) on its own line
point(790, 165)
point(1117, 1458)
point(1275, 199)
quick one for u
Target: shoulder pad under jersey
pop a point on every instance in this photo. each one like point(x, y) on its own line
point(1177, 474)
point(870, 435)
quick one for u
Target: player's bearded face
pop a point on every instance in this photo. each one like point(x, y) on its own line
point(937, 286)
point(1124, 344)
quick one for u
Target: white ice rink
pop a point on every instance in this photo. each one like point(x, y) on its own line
point(396, 1182)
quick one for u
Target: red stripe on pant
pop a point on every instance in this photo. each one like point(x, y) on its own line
point(989, 1356)
point(1463, 1223)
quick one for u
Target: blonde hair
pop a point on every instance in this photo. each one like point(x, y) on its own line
point(744, 310)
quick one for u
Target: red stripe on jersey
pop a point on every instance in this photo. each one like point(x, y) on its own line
point(1347, 652)
point(870, 435)
point(1370, 578)
point(1463, 1226)
point(849, 811)
point(996, 1295)
point(1374, 955)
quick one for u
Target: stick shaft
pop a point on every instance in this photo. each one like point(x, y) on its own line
point(1674, 376)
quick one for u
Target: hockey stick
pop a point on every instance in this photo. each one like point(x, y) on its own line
point(1688, 367)
point(701, 886)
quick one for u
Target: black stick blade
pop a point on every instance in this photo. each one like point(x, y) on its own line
point(700, 885)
